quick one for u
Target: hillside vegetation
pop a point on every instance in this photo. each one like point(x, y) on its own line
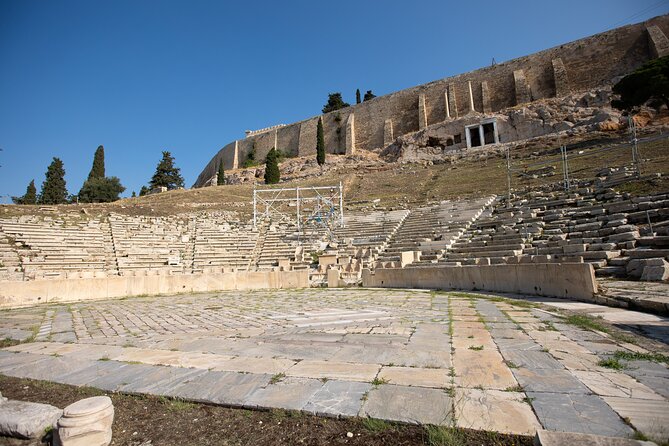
point(402, 185)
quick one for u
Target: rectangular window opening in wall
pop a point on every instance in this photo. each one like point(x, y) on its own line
point(474, 136)
point(482, 134)
point(457, 139)
point(488, 133)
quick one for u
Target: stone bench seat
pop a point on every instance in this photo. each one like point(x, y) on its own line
point(463, 249)
point(645, 253)
point(488, 254)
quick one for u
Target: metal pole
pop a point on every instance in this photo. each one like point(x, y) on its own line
point(566, 168)
point(341, 204)
point(298, 210)
point(635, 148)
point(508, 176)
point(254, 206)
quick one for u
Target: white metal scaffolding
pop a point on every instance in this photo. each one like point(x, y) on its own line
point(317, 206)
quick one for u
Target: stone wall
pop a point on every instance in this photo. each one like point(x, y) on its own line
point(568, 280)
point(577, 66)
point(21, 294)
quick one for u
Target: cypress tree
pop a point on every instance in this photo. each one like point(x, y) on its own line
point(272, 173)
point(98, 169)
point(54, 190)
point(320, 143)
point(357, 96)
point(221, 175)
point(30, 196)
point(167, 174)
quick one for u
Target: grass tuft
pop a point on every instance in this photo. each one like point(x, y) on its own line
point(586, 322)
point(376, 425)
point(611, 363)
point(634, 356)
point(445, 436)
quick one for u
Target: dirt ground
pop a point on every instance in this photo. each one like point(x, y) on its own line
point(147, 420)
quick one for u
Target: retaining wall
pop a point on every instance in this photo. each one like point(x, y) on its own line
point(21, 294)
point(567, 280)
point(576, 66)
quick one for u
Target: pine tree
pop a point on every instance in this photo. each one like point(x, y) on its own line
point(101, 190)
point(221, 175)
point(335, 102)
point(143, 191)
point(369, 95)
point(134, 195)
point(30, 196)
point(320, 143)
point(272, 173)
point(98, 169)
point(167, 174)
point(54, 190)
point(649, 81)
point(357, 96)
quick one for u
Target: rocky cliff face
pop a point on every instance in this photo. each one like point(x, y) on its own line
point(569, 117)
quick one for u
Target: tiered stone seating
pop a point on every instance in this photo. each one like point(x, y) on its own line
point(220, 244)
point(55, 248)
point(280, 243)
point(155, 243)
point(432, 230)
point(600, 227)
point(10, 263)
point(365, 235)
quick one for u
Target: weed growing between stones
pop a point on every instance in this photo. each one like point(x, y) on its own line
point(277, 378)
point(378, 381)
point(9, 342)
point(635, 356)
point(611, 363)
point(511, 364)
point(477, 348)
point(585, 322)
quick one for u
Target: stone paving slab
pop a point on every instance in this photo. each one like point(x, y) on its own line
point(10, 361)
point(649, 416)
point(496, 410)
point(226, 388)
point(409, 405)
point(343, 398)
point(159, 380)
point(50, 369)
point(95, 371)
point(549, 380)
point(483, 368)
point(533, 360)
point(616, 384)
point(587, 414)
point(288, 393)
point(413, 376)
point(320, 351)
point(334, 370)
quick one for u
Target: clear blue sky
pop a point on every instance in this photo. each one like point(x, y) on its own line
point(190, 76)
